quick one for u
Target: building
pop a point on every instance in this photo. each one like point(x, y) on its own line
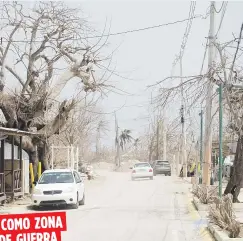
point(14, 164)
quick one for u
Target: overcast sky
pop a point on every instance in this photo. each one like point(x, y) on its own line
point(146, 57)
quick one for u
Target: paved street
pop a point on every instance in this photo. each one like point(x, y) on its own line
point(121, 210)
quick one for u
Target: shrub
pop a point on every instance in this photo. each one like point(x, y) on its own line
point(205, 194)
point(221, 213)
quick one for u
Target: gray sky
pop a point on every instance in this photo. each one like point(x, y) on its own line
point(147, 56)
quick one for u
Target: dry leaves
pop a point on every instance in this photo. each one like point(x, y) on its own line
point(205, 194)
point(221, 214)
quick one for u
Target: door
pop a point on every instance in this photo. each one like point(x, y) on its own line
point(80, 185)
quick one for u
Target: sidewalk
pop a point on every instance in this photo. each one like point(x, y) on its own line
point(238, 209)
point(199, 219)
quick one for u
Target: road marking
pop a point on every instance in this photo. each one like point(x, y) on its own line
point(202, 231)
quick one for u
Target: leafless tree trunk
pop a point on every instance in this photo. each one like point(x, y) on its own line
point(236, 179)
point(49, 31)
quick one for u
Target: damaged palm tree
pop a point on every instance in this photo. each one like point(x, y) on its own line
point(42, 49)
point(221, 214)
point(205, 194)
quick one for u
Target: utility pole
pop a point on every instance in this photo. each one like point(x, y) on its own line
point(220, 139)
point(157, 142)
point(183, 134)
point(208, 117)
point(117, 144)
point(183, 146)
point(52, 157)
point(164, 142)
point(98, 140)
point(77, 159)
point(177, 162)
point(201, 146)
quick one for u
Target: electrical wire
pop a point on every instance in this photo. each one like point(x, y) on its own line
point(185, 36)
point(127, 31)
point(224, 6)
point(220, 8)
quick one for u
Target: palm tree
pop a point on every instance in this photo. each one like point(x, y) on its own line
point(124, 138)
point(136, 142)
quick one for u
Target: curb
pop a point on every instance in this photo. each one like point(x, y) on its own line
point(221, 235)
point(200, 206)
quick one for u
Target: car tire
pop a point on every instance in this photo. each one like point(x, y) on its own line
point(35, 208)
point(155, 173)
point(82, 202)
point(76, 205)
point(133, 179)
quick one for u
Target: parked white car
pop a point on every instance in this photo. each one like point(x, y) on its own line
point(59, 187)
point(142, 170)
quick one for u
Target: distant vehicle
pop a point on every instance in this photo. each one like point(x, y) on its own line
point(142, 170)
point(59, 187)
point(162, 167)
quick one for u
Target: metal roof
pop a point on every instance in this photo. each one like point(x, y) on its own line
point(15, 132)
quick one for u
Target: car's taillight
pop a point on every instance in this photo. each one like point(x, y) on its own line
point(134, 171)
point(150, 170)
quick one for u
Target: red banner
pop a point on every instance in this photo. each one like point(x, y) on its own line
point(43, 226)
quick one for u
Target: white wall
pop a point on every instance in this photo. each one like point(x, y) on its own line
point(7, 154)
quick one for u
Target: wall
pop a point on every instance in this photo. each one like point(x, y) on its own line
point(7, 154)
point(25, 173)
point(25, 163)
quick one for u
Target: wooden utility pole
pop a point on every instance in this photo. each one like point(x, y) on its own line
point(117, 144)
point(98, 140)
point(208, 114)
point(158, 139)
point(177, 161)
point(183, 142)
point(164, 142)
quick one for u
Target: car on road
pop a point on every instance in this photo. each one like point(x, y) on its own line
point(162, 167)
point(142, 170)
point(59, 187)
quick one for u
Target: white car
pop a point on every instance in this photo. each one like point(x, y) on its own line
point(59, 187)
point(142, 170)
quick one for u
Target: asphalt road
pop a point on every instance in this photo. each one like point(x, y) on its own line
point(119, 209)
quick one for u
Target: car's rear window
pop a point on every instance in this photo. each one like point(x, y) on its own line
point(141, 165)
point(160, 163)
point(56, 177)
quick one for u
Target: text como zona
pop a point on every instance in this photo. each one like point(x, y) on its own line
point(14, 224)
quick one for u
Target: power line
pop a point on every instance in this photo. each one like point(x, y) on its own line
point(124, 32)
point(224, 5)
point(220, 8)
point(185, 36)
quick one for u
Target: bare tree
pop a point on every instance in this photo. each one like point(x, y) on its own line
point(231, 75)
point(49, 45)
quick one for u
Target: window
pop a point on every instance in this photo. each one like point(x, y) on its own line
point(77, 177)
point(162, 163)
point(141, 165)
point(56, 177)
